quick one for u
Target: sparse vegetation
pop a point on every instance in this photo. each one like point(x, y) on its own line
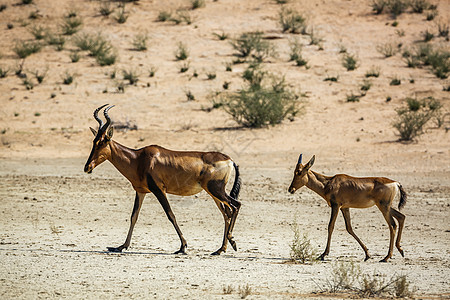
point(197, 4)
point(140, 42)
point(74, 56)
point(427, 36)
point(164, 15)
point(373, 72)
point(189, 95)
point(366, 85)
point(395, 81)
point(68, 78)
point(182, 52)
point(3, 72)
point(387, 49)
point(301, 250)
point(105, 8)
point(211, 75)
point(98, 47)
point(245, 291)
point(221, 36)
point(131, 75)
point(24, 49)
point(291, 21)
point(184, 67)
point(346, 277)
point(121, 15)
point(55, 40)
point(350, 62)
point(353, 98)
point(38, 31)
point(414, 115)
point(71, 24)
point(40, 76)
point(252, 44)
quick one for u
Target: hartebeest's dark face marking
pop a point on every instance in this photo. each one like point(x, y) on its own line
point(300, 175)
point(101, 150)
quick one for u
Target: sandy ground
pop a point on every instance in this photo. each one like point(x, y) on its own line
point(56, 222)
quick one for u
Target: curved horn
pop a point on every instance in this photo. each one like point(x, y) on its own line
point(108, 119)
point(300, 159)
point(100, 122)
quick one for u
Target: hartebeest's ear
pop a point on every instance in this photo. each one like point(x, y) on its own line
point(110, 132)
point(94, 132)
point(310, 162)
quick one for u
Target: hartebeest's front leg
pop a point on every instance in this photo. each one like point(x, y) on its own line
point(134, 216)
point(334, 213)
point(161, 196)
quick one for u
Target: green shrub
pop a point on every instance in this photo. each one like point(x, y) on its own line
point(68, 78)
point(291, 21)
point(121, 16)
point(130, 75)
point(378, 6)
point(55, 40)
point(38, 32)
point(3, 72)
point(418, 6)
point(105, 8)
point(261, 104)
point(395, 81)
point(252, 44)
point(71, 25)
point(24, 49)
point(301, 250)
point(350, 62)
point(197, 4)
point(387, 49)
point(373, 72)
point(412, 118)
point(366, 85)
point(98, 47)
point(182, 52)
point(140, 42)
point(164, 15)
point(397, 7)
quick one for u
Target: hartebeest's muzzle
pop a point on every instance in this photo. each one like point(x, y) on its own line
point(291, 189)
point(88, 168)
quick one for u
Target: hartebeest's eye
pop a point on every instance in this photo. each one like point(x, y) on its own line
point(297, 173)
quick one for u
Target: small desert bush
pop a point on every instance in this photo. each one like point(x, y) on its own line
point(140, 42)
point(244, 291)
point(350, 62)
point(252, 44)
point(373, 72)
point(296, 53)
point(182, 52)
point(387, 49)
point(131, 75)
point(221, 36)
point(419, 6)
point(266, 100)
point(68, 78)
point(181, 16)
point(121, 15)
point(443, 29)
point(40, 76)
point(55, 40)
point(397, 7)
point(427, 55)
point(24, 49)
point(353, 97)
point(197, 4)
point(301, 250)
point(291, 21)
point(395, 81)
point(346, 277)
point(164, 15)
point(105, 8)
point(366, 85)
point(378, 6)
point(38, 31)
point(74, 56)
point(70, 25)
point(184, 67)
point(3, 72)
point(98, 47)
point(414, 115)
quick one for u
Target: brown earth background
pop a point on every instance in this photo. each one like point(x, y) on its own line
point(56, 221)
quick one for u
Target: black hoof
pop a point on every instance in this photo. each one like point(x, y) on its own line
point(217, 252)
point(233, 244)
point(180, 252)
point(114, 249)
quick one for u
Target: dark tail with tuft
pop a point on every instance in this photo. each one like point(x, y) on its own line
point(402, 197)
point(237, 183)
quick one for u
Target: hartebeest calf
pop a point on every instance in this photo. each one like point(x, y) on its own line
point(154, 169)
point(344, 192)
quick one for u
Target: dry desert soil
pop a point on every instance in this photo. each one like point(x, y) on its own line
point(56, 221)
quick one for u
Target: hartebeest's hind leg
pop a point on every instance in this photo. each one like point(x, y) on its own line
point(161, 196)
point(401, 221)
point(134, 216)
point(348, 226)
point(229, 208)
point(386, 211)
point(334, 213)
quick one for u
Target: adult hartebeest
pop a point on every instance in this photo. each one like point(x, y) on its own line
point(154, 169)
point(344, 192)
